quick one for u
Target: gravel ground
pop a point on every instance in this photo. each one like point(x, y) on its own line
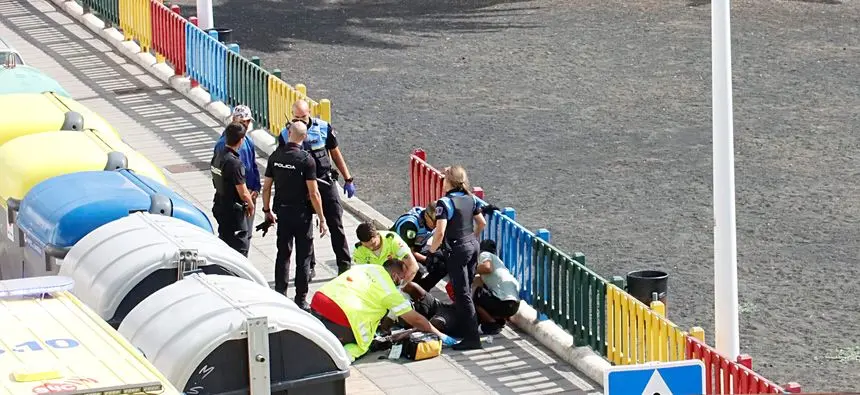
point(592, 119)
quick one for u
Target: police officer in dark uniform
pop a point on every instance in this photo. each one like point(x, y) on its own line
point(322, 144)
point(232, 204)
point(293, 172)
point(459, 221)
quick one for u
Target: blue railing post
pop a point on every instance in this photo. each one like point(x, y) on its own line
point(544, 290)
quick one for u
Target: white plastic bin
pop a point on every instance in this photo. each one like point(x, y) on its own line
point(202, 331)
point(124, 261)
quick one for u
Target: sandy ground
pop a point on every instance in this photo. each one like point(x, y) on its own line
point(592, 119)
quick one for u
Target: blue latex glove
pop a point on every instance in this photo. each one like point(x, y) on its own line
point(349, 189)
point(448, 341)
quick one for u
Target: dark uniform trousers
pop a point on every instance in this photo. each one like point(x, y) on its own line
point(462, 262)
point(333, 212)
point(294, 223)
point(435, 273)
point(233, 226)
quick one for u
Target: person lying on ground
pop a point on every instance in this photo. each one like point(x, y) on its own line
point(377, 246)
point(443, 315)
point(352, 305)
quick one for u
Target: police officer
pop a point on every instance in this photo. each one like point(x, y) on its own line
point(415, 228)
point(232, 204)
point(322, 144)
point(459, 221)
point(293, 172)
point(248, 156)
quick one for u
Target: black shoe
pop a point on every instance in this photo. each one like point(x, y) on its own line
point(312, 273)
point(493, 328)
point(439, 323)
point(340, 270)
point(466, 345)
point(303, 305)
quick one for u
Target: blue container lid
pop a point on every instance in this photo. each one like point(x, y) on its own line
point(62, 210)
point(26, 79)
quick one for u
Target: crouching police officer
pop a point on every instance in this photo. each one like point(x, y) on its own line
point(415, 228)
point(459, 221)
point(321, 142)
point(293, 173)
point(233, 203)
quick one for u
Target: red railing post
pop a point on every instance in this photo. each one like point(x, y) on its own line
point(479, 192)
point(745, 360)
point(178, 41)
point(793, 388)
point(420, 154)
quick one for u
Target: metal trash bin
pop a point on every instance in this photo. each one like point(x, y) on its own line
point(222, 335)
point(121, 263)
point(224, 34)
point(643, 284)
point(60, 152)
point(59, 212)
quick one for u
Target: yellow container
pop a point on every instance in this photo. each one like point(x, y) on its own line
point(56, 344)
point(29, 160)
point(28, 113)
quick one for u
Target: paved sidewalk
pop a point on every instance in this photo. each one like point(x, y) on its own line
point(178, 137)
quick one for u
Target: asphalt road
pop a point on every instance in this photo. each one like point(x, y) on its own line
point(592, 118)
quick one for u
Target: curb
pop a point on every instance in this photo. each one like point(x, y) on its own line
point(546, 332)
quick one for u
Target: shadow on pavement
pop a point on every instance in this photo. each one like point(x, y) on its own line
point(268, 26)
point(510, 363)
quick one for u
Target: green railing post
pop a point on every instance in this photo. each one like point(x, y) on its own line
point(107, 10)
point(579, 257)
point(277, 73)
point(234, 75)
point(540, 274)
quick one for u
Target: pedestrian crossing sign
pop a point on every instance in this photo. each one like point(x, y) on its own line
point(656, 378)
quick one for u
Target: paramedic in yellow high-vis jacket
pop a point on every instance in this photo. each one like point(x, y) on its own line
point(353, 303)
point(377, 246)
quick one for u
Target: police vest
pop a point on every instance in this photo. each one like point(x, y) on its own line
point(216, 167)
point(414, 216)
point(460, 224)
point(288, 169)
point(359, 294)
point(315, 144)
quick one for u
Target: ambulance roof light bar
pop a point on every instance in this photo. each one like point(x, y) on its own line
point(35, 286)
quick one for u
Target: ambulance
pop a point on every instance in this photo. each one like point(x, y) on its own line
point(50, 343)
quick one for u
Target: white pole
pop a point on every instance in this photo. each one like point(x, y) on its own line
point(204, 14)
point(725, 243)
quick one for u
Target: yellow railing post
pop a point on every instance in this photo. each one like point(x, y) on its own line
point(325, 110)
point(698, 332)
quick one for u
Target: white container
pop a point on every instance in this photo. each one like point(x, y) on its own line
point(124, 261)
point(221, 334)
